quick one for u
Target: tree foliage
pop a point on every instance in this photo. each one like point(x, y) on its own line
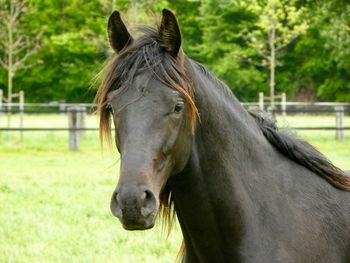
point(226, 35)
point(16, 46)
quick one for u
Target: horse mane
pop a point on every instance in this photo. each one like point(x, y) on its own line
point(302, 153)
point(294, 148)
point(145, 53)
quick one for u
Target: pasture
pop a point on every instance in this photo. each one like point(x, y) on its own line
point(55, 203)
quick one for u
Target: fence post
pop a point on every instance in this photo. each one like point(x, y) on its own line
point(1, 106)
point(339, 118)
point(21, 113)
point(82, 120)
point(8, 134)
point(284, 105)
point(1, 100)
point(62, 107)
point(261, 101)
point(271, 112)
point(73, 125)
point(1, 95)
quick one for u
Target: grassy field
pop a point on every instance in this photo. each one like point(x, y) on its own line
point(54, 204)
point(55, 207)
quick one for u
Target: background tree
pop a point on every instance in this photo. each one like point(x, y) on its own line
point(16, 45)
point(279, 23)
point(314, 65)
point(224, 49)
point(73, 49)
point(317, 64)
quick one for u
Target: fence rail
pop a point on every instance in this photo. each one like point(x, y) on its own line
point(49, 129)
point(92, 112)
point(96, 129)
point(76, 115)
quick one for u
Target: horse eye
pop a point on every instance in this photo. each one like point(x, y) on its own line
point(179, 106)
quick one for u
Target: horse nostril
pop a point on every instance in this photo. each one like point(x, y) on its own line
point(117, 198)
point(144, 195)
point(148, 203)
point(115, 205)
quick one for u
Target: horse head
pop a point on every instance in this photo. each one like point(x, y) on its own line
point(148, 94)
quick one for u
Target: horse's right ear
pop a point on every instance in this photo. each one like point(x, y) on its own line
point(118, 35)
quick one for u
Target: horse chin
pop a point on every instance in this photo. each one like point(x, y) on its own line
point(138, 222)
point(138, 225)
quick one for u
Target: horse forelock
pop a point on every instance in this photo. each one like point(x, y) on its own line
point(144, 53)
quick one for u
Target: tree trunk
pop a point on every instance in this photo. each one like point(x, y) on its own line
point(272, 66)
point(134, 6)
point(10, 70)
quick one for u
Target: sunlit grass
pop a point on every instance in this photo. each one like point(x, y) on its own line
point(54, 204)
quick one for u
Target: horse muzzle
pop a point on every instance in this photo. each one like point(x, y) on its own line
point(136, 207)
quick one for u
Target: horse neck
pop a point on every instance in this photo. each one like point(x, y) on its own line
point(224, 124)
point(210, 194)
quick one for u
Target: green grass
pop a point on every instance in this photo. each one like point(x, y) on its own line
point(54, 204)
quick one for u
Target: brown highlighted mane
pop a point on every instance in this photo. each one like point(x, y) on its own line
point(145, 53)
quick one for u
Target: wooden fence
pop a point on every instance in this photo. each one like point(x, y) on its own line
point(76, 116)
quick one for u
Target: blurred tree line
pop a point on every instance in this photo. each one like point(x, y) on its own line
point(311, 50)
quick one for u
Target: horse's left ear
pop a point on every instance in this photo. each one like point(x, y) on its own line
point(169, 33)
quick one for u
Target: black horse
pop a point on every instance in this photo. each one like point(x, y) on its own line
point(242, 190)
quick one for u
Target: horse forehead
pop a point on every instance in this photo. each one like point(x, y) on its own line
point(140, 85)
point(152, 88)
point(144, 93)
point(152, 83)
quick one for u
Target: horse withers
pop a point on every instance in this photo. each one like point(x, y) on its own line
point(242, 191)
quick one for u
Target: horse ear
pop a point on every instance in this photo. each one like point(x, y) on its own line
point(169, 33)
point(118, 35)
